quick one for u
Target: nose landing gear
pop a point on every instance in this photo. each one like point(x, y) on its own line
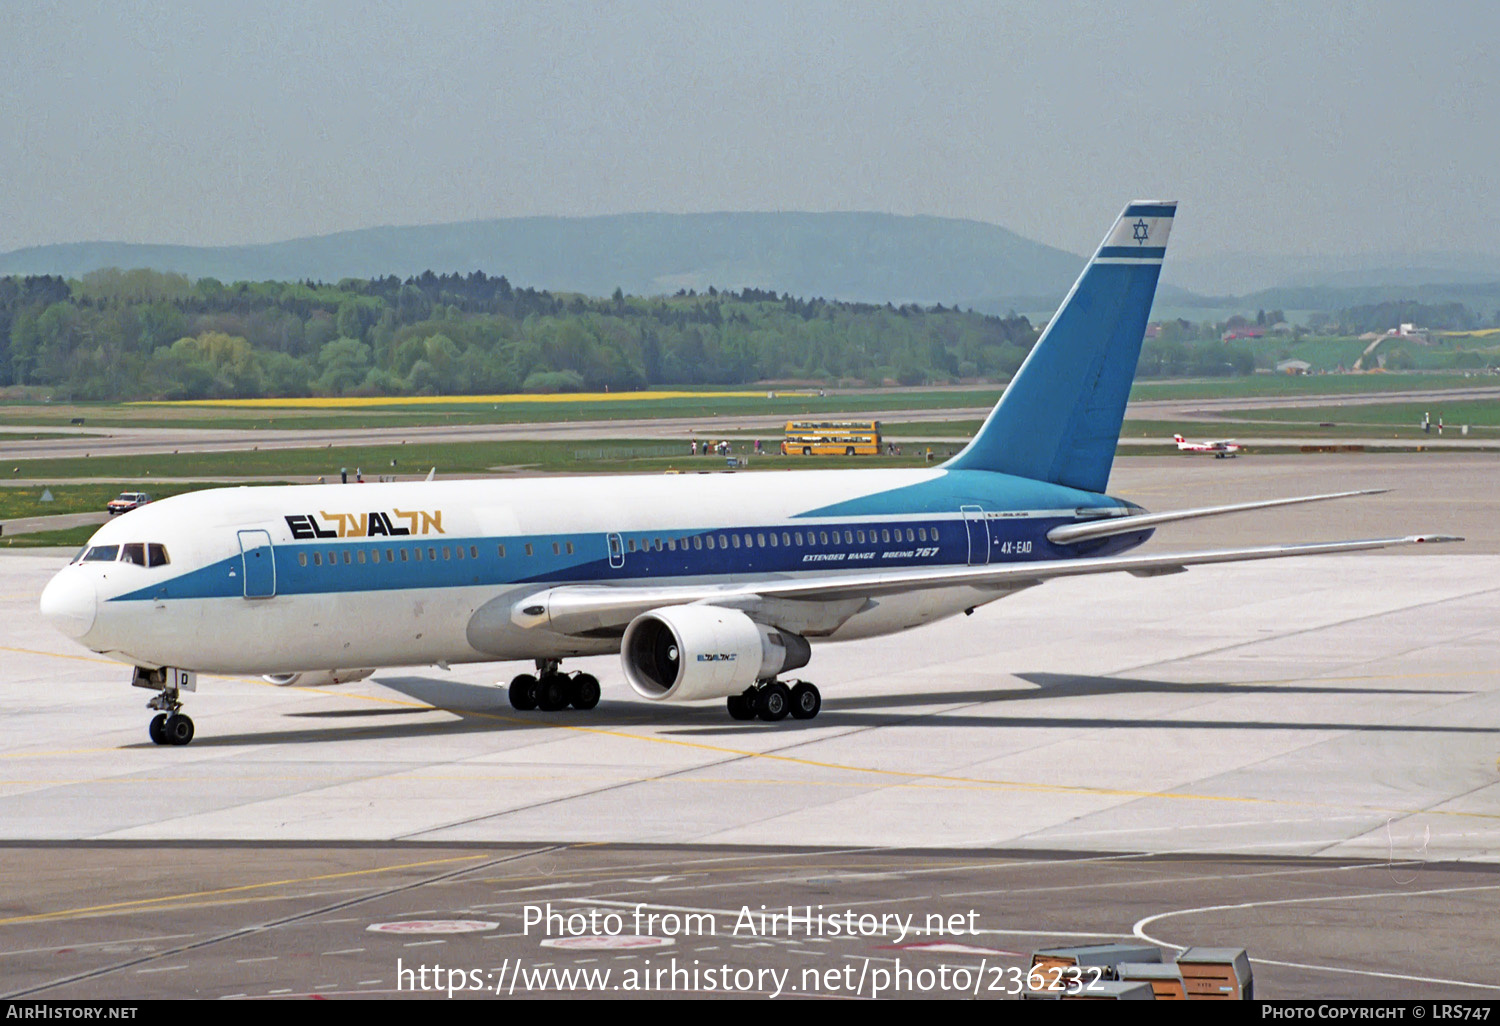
point(170, 726)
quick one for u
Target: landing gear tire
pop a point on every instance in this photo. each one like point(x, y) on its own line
point(806, 701)
point(773, 702)
point(178, 729)
point(158, 729)
point(523, 693)
point(585, 691)
point(553, 692)
point(742, 707)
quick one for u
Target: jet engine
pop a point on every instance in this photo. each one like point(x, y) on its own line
point(683, 653)
point(316, 678)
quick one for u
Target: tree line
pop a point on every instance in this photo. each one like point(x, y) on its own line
point(143, 334)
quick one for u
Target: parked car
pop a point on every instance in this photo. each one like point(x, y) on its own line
point(127, 501)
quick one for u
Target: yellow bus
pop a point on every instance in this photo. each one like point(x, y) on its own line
point(831, 438)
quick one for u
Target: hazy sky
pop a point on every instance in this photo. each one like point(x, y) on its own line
point(1311, 127)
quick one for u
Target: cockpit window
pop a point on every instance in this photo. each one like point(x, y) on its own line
point(101, 554)
point(156, 555)
point(134, 552)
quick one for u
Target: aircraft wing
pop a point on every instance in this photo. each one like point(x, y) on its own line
point(604, 609)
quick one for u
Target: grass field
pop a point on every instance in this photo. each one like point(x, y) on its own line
point(26, 501)
point(385, 412)
point(465, 458)
point(73, 538)
point(1479, 413)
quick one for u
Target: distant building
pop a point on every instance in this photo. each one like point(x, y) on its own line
point(1234, 333)
point(1293, 367)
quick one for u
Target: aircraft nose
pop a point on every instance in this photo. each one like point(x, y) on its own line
point(70, 604)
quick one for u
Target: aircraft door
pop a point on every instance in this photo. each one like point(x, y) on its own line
point(616, 551)
point(258, 564)
point(979, 534)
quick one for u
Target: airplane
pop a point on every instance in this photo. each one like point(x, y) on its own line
point(709, 587)
point(1220, 447)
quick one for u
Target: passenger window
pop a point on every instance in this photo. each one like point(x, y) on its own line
point(301, 559)
point(101, 554)
point(431, 553)
point(698, 542)
point(860, 536)
point(710, 541)
point(723, 542)
point(360, 555)
point(473, 551)
point(556, 549)
point(317, 559)
point(458, 550)
point(848, 537)
point(135, 553)
point(405, 555)
point(417, 554)
point(375, 555)
point(447, 552)
point(798, 537)
point(529, 550)
point(390, 555)
point(347, 560)
point(773, 539)
point(630, 544)
point(656, 544)
point(786, 540)
point(735, 539)
point(760, 541)
point(502, 551)
point(671, 545)
point(823, 537)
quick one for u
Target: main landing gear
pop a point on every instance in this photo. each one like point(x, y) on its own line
point(551, 689)
point(771, 700)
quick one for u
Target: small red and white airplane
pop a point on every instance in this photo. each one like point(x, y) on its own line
point(1221, 447)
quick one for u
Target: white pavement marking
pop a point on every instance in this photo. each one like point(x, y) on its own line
point(1139, 930)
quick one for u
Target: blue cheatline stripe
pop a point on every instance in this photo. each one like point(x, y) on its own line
point(947, 543)
point(1150, 210)
point(1140, 252)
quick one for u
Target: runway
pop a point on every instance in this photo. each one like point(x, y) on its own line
point(1341, 714)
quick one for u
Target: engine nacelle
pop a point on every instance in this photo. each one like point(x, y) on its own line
point(683, 653)
point(316, 678)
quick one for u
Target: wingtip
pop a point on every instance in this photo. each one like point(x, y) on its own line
point(1422, 539)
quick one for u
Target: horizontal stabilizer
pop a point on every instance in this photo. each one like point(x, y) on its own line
point(1069, 534)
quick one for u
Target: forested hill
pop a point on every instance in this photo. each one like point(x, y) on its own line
point(144, 334)
point(860, 257)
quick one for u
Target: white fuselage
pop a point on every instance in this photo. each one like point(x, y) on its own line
point(295, 578)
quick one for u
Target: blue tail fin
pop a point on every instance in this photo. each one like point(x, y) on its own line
point(1059, 419)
